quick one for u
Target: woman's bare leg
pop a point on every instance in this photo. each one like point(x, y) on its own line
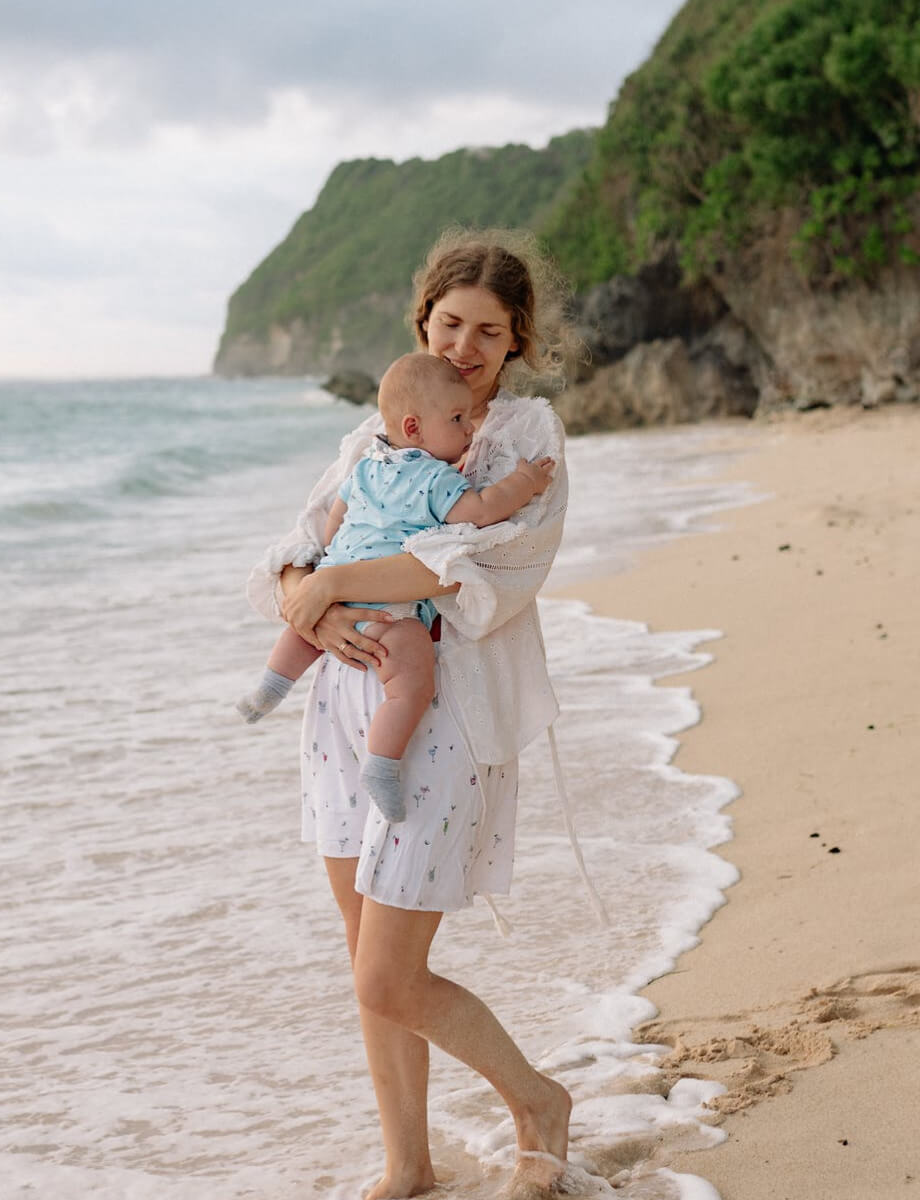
point(398, 1062)
point(393, 981)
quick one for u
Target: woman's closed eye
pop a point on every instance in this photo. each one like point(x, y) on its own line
point(490, 333)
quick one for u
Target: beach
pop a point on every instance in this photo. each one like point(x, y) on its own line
point(803, 996)
point(178, 1015)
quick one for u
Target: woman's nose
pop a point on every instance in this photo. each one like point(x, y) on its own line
point(463, 340)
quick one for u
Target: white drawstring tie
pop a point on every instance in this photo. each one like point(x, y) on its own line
point(596, 903)
point(504, 926)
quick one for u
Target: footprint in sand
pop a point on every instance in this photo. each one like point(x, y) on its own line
point(754, 1053)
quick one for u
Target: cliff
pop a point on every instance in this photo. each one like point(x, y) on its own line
point(742, 232)
point(334, 292)
point(746, 233)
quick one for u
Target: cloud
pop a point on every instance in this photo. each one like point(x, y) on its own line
point(108, 73)
point(153, 154)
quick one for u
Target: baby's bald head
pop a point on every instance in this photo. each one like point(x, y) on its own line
point(407, 385)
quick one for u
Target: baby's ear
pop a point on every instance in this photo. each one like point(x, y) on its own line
point(411, 427)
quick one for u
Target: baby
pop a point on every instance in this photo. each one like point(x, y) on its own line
point(404, 483)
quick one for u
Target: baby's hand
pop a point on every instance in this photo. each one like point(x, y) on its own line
point(539, 472)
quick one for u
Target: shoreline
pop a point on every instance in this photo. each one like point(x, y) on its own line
point(803, 996)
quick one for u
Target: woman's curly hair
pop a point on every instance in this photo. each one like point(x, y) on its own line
point(511, 265)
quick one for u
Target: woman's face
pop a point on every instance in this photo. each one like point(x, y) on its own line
point(471, 328)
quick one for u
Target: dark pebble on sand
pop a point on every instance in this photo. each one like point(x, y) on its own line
point(814, 835)
point(870, 726)
point(834, 850)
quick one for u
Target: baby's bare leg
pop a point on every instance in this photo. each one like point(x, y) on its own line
point(287, 662)
point(291, 655)
point(407, 675)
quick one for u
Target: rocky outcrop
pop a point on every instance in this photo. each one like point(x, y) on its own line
point(857, 343)
point(248, 356)
point(660, 352)
point(668, 381)
point(357, 387)
point(755, 335)
point(614, 316)
point(365, 335)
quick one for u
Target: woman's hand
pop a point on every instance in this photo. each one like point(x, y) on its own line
point(305, 601)
point(310, 608)
point(335, 631)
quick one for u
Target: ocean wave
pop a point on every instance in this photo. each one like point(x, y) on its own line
point(48, 511)
point(174, 469)
point(77, 452)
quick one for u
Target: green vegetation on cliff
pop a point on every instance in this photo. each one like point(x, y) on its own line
point(374, 220)
point(797, 121)
point(746, 108)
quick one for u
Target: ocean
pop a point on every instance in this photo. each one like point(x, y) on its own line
point(176, 1014)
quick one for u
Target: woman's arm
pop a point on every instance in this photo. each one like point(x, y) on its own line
point(394, 579)
point(291, 576)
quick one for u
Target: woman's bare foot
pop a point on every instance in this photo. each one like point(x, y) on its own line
point(544, 1126)
point(393, 1187)
point(543, 1142)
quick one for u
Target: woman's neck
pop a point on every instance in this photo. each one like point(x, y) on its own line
point(480, 408)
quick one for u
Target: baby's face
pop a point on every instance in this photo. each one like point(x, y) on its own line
point(446, 428)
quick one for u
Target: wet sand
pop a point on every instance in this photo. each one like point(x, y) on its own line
point(803, 997)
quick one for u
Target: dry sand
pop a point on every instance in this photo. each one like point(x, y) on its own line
point(804, 994)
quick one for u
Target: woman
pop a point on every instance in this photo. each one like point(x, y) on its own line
point(483, 302)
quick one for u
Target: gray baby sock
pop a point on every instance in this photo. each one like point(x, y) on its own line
point(381, 778)
point(268, 695)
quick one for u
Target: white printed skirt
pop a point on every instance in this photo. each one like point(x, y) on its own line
point(458, 837)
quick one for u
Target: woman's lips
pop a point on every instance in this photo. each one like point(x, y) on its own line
point(464, 368)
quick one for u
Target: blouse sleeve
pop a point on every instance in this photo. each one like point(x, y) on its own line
point(303, 545)
point(500, 568)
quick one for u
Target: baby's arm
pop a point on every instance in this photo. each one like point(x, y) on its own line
point(499, 501)
point(334, 520)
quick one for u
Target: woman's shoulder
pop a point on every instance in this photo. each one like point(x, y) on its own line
point(512, 416)
point(511, 408)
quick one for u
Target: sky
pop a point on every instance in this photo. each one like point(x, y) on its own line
point(151, 155)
